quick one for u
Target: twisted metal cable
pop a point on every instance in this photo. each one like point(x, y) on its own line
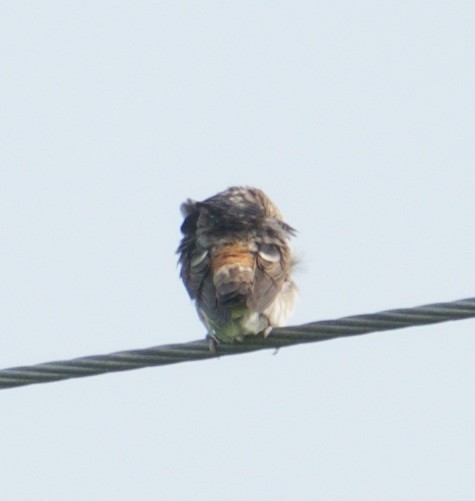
point(199, 350)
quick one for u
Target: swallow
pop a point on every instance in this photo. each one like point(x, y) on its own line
point(236, 263)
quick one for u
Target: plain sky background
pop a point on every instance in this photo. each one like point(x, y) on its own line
point(358, 120)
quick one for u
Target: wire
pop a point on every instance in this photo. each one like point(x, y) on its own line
point(200, 350)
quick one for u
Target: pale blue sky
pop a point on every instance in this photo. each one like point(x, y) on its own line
point(358, 119)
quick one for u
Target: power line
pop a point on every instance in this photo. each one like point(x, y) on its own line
point(199, 350)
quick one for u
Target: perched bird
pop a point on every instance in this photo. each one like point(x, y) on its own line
point(236, 263)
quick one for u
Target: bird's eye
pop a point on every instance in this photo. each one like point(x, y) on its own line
point(269, 252)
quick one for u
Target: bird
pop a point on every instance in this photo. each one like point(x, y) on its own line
point(236, 263)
